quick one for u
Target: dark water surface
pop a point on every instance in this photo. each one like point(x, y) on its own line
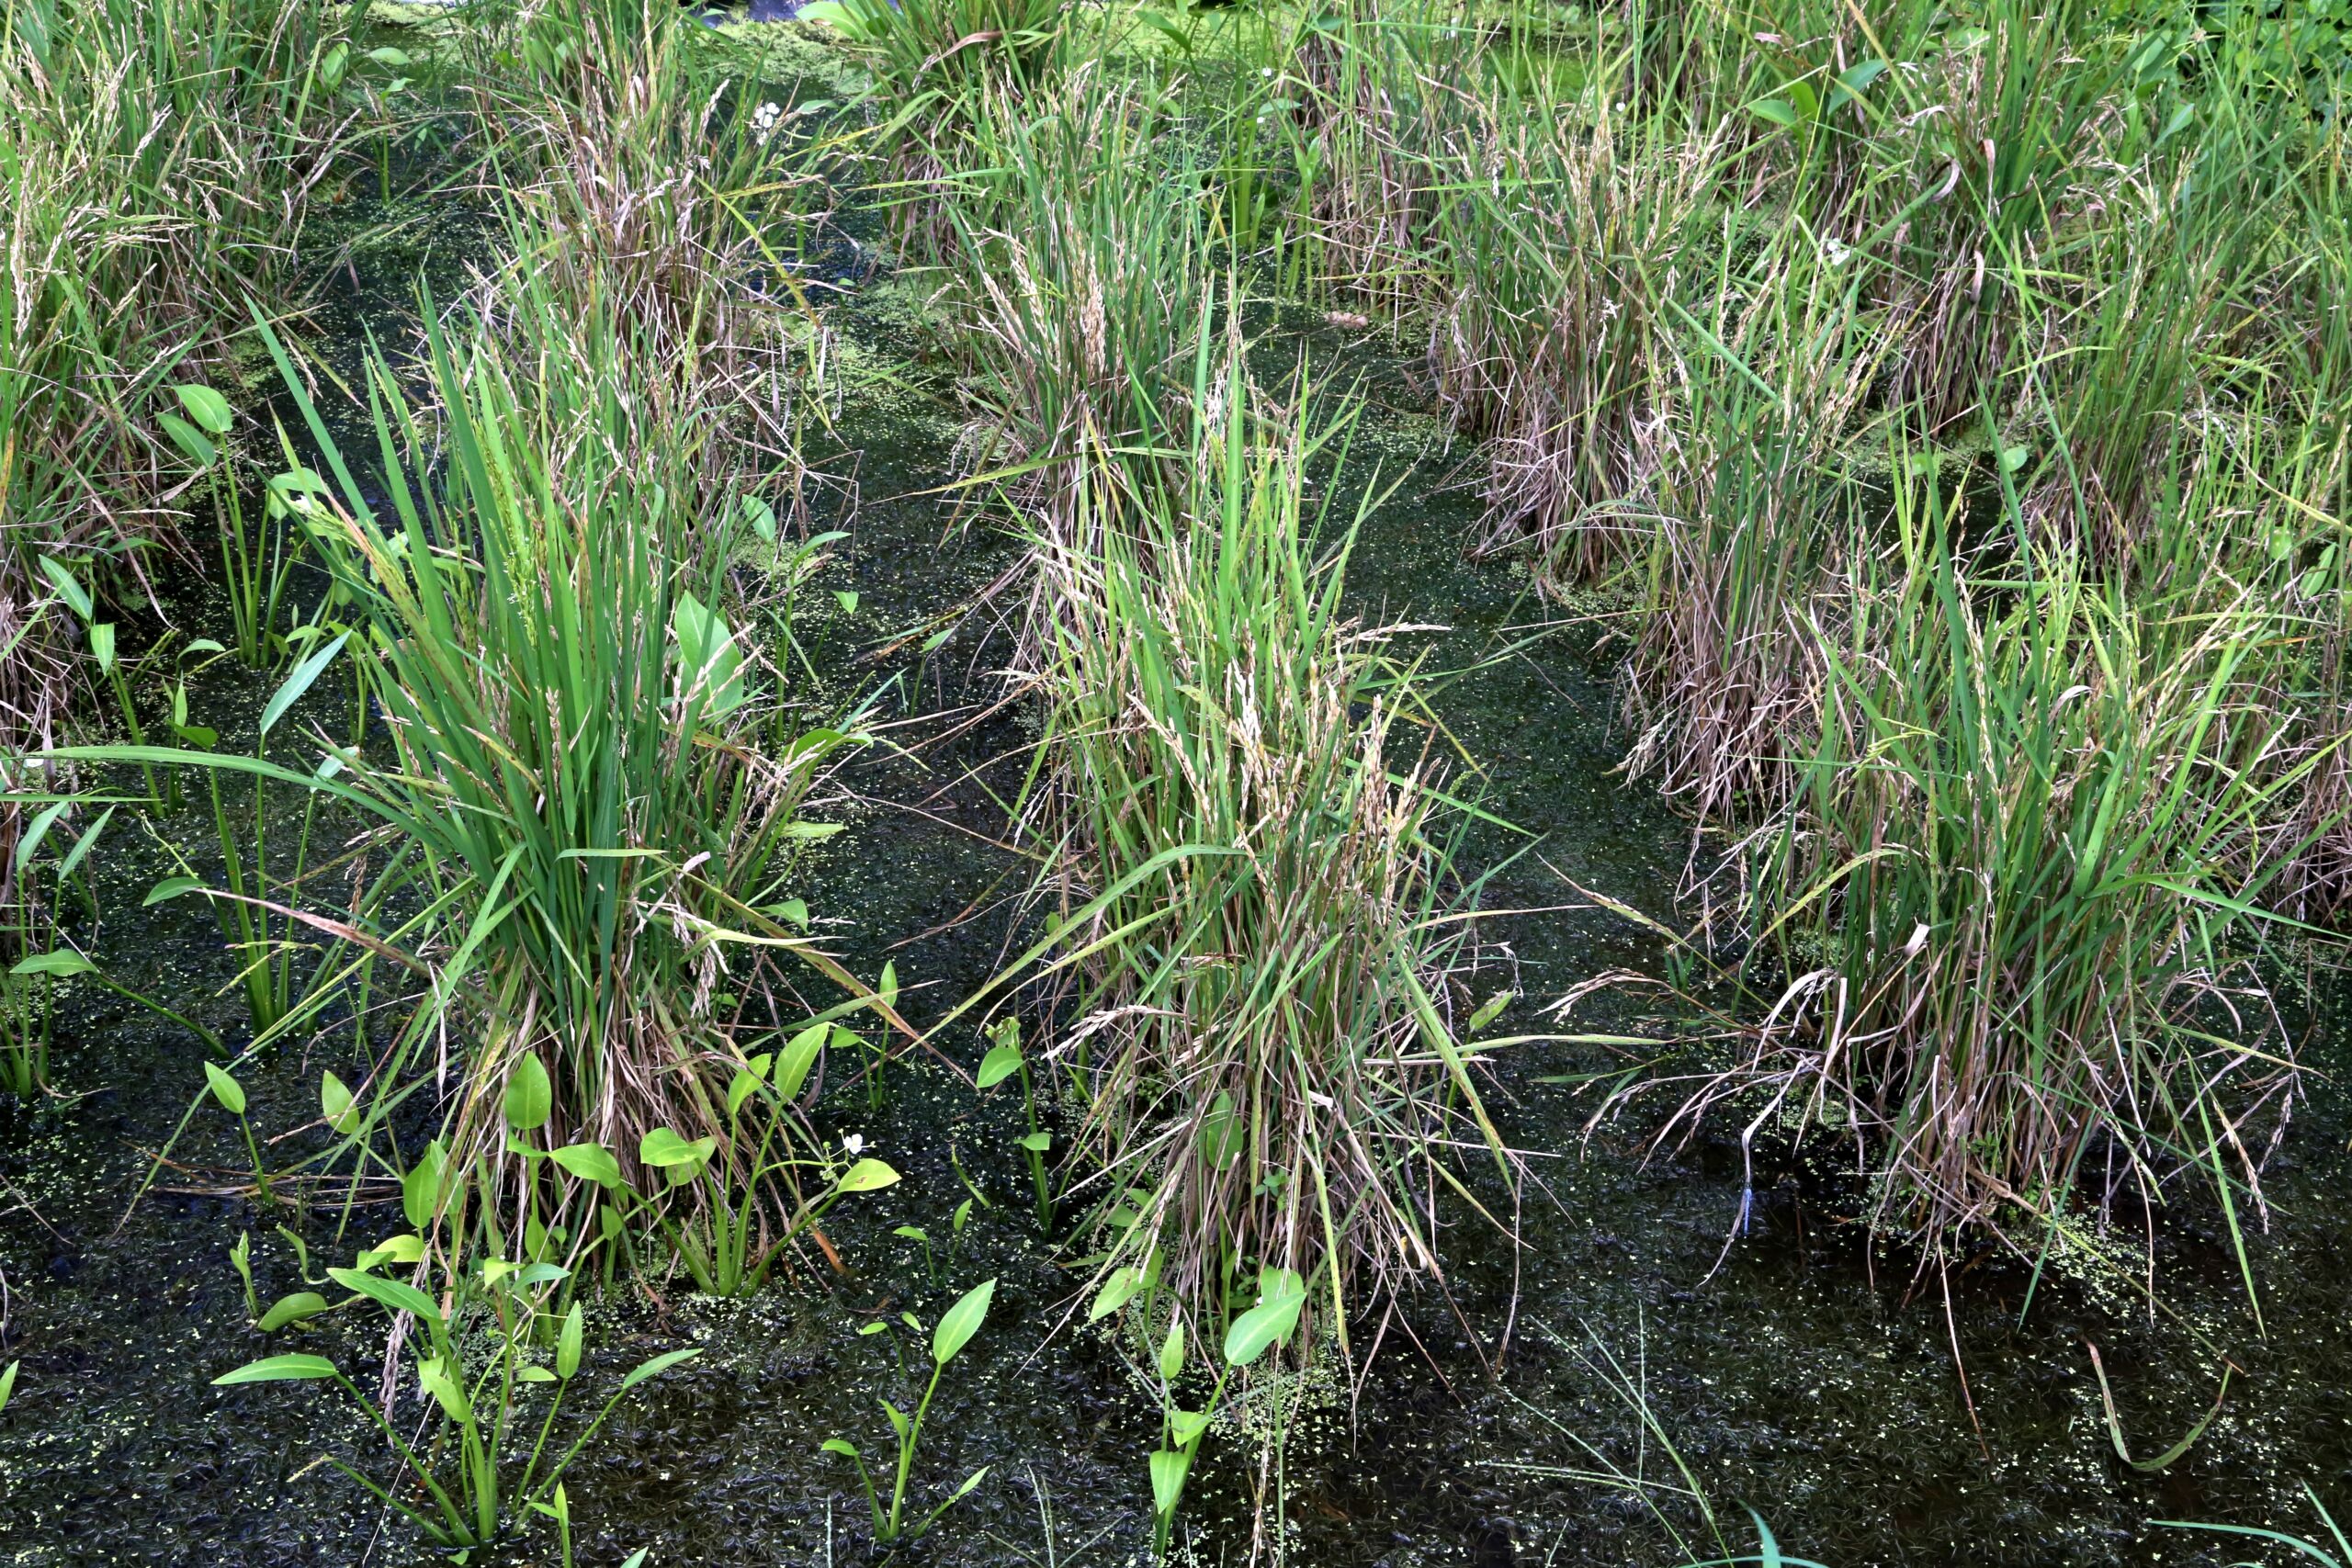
point(1792, 1368)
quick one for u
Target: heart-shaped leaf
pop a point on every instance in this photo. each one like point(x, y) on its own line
point(291, 1309)
point(589, 1162)
point(530, 1099)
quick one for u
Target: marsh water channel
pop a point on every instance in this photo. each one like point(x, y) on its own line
point(1870, 1411)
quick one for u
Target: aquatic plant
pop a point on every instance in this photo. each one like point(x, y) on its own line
point(2030, 832)
point(1082, 298)
point(1561, 238)
point(626, 800)
point(1251, 893)
point(948, 1336)
point(230, 1095)
point(474, 1492)
point(1004, 1060)
point(255, 561)
point(1269, 1323)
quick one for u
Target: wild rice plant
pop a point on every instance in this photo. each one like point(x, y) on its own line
point(1756, 490)
point(939, 68)
point(1562, 231)
point(1254, 891)
point(1376, 116)
point(2027, 838)
point(605, 797)
point(1084, 298)
point(156, 159)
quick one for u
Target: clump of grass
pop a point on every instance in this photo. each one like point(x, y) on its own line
point(1561, 233)
point(939, 69)
point(2028, 838)
point(155, 162)
point(1374, 124)
point(1254, 887)
point(1756, 490)
point(1082, 296)
point(602, 780)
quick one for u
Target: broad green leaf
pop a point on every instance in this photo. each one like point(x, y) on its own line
point(1269, 1323)
point(960, 1322)
point(1168, 1468)
point(69, 586)
point(194, 445)
point(1117, 1292)
point(530, 1099)
point(420, 1188)
point(666, 1150)
point(64, 963)
point(1186, 1426)
point(1036, 1143)
point(709, 667)
point(867, 1176)
point(660, 1364)
point(837, 1446)
point(392, 1294)
point(170, 887)
point(335, 1103)
point(1489, 1010)
point(742, 1087)
point(225, 1089)
point(799, 1054)
point(291, 1309)
point(277, 1369)
point(1171, 1352)
point(8, 1383)
point(589, 1162)
point(1778, 111)
point(396, 1249)
point(567, 1344)
point(999, 1063)
point(206, 407)
point(438, 1381)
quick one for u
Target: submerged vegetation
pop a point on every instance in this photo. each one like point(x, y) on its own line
point(1928, 418)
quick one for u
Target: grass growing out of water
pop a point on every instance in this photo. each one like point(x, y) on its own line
point(1080, 296)
point(602, 781)
point(2029, 829)
point(1241, 787)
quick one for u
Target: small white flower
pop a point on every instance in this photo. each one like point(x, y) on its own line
point(855, 1143)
